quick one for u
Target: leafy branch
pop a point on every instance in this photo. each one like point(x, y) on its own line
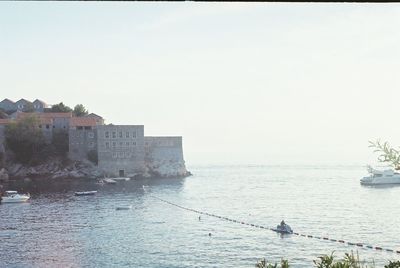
point(387, 153)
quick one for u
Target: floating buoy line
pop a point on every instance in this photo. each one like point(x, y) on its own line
point(359, 245)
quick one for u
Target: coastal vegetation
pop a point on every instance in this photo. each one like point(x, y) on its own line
point(25, 139)
point(27, 142)
point(79, 109)
point(329, 261)
point(387, 153)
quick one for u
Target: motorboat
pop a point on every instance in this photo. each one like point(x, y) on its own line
point(380, 177)
point(14, 197)
point(121, 179)
point(109, 181)
point(283, 228)
point(85, 193)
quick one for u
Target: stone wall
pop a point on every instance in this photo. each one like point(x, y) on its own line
point(121, 149)
point(81, 142)
point(164, 156)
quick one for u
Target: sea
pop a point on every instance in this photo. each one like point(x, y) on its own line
point(58, 229)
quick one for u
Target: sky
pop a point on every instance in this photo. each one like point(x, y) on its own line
point(243, 83)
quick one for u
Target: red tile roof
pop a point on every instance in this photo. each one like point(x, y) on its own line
point(82, 122)
point(4, 121)
point(45, 115)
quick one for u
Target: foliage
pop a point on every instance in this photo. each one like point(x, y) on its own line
point(80, 110)
point(387, 153)
point(263, 264)
point(349, 261)
point(328, 261)
point(25, 139)
point(60, 108)
point(60, 142)
point(93, 157)
point(394, 264)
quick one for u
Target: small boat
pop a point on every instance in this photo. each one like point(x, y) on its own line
point(378, 177)
point(121, 179)
point(85, 193)
point(109, 181)
point(14, 197)
point(283, 228)
point(123, 208)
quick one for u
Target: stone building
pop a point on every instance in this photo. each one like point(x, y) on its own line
point(48, 122)
point(22, 105)
point(98, 118)
point(39, 106)
point(82, 137)
point(120, 149)
point(163, 149)
point(8, 105)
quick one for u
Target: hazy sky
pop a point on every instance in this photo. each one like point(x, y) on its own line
point(260, 83)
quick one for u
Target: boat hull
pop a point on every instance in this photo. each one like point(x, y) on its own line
point(85, 193)
point(14, 200)
point(380, 180)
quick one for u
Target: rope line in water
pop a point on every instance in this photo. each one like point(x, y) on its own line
point(361, 245)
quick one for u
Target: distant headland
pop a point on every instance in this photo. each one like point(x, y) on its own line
point(55, 141)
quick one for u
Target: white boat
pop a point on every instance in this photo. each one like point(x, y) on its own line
point(121, 179)
point(85, 193)
point(14, 197)
point(109, 181)
point(380, 177)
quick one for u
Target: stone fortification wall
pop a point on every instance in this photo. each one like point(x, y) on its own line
point(81, 142)
point(164, 156)
point(121, 149)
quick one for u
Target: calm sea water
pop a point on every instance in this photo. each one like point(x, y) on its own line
point(57, 229)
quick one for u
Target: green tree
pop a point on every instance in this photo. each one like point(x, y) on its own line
point(60, 108)
point(80, 110)
point(25, 139)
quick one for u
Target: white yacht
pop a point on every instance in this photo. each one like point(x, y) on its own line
point(380, 177)
point(14, 197)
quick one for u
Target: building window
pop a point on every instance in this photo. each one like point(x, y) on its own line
point(47, 126)
point(107, 134)
point(114, 144)
point(54, 126)
point(91, 144)
point(120, 134)
point(80, 128)
point(114, 155)
point(107, 145)
point(127, 144)
point(114, 134)
point(127, 154)
point(120, 144)
point(121, 154)
point(40, 126)
point(134, 134)
point(134, 143)
point(90, 135)
point(88, 128)
point(127, 134)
